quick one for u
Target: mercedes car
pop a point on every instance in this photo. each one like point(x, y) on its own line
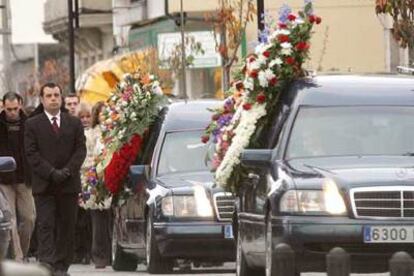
point(175, 210)
point(337, 171)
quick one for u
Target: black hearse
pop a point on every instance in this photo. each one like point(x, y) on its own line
point(175, 211)
point(338, 172)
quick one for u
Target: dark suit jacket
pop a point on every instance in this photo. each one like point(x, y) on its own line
point(47, 151)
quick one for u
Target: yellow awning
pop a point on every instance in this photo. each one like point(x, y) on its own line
point(99, 81)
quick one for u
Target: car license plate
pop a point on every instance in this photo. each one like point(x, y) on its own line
point(228, 232)
point(388, 234)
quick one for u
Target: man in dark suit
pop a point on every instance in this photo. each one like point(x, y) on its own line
point(55, 148)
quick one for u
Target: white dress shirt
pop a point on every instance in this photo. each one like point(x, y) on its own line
point(49, 116)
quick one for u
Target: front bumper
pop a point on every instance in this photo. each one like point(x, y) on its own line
point(313, 237)
point(195, 240)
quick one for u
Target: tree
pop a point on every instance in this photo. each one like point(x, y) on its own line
point(402, 12)
point(50, 71)
point(230, 21)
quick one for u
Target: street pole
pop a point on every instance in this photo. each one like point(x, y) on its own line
point(71, 48)
point(183, 59)
point(6, 44)
point(260, 12)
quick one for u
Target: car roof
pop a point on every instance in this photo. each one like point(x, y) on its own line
point(189, 115)
point(354, 90)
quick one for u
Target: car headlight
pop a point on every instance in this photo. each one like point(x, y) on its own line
point(328, 200)
point(197, 205)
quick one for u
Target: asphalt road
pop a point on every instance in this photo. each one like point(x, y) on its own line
point(228, 269)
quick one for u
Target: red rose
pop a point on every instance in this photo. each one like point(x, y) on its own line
point(273, 81)
point(282, 25)
point(205, 138)
point(251, 59)
point(283, 38)
point(253, 74)
point(301, 46)
point(312, 18)
point(290, 60)
point(291, 17)
point(239, 86)
point(318, 20)
point(266, 54)
point(247, 106)
point(261, 98)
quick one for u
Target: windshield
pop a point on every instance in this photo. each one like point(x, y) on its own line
point(353, 130)
point(182, 152)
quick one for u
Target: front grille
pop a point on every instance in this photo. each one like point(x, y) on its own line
point(383, 202)
point(224, 205)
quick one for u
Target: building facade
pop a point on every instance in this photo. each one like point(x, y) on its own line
point(94, 36)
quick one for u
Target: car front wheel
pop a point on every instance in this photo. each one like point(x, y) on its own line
point(155, 263)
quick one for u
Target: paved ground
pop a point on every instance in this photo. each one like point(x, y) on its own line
point(228, 269)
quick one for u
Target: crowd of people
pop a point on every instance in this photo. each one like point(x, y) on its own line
point(53, 144)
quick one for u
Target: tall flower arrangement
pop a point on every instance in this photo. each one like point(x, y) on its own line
point(276, 62)
point(128, 114)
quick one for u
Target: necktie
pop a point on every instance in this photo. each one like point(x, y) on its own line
point(55, 125)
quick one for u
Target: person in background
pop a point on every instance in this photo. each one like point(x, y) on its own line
point(83, 224)
point(72, 103)
point(16, 185)
point(101, 219)
point(54, 144)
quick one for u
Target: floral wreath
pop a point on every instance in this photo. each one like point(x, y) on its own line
point(127, 116)
point(277, 61)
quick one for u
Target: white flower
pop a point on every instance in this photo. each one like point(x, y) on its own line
point(276, 61)
point(279, 32)
point(261, 60)
point(254, 65)
point(263, 79)
point(243, 132)
point(248, 84)
point(286, 52)
point(262, 47)
point(269, 74)
point(286, 45)
point(299, 20)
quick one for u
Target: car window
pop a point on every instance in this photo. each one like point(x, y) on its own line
point(182, 152)
point(352, 130)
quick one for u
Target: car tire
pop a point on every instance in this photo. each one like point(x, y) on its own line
point(121, 261)
point(242, 267)
point(156, 264)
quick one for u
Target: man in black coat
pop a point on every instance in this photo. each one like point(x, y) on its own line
point(55, 148)
point(16, 185)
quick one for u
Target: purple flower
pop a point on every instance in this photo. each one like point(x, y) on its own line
point(284, 12)
point(264, 35)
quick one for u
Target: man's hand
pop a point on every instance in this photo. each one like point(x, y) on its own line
point(59, 176)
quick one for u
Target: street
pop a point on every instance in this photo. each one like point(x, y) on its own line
point(228, 269)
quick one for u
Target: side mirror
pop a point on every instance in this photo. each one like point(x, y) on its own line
point(138, 176)
point(261, 159)
point(257, 158)
point(7, 164)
